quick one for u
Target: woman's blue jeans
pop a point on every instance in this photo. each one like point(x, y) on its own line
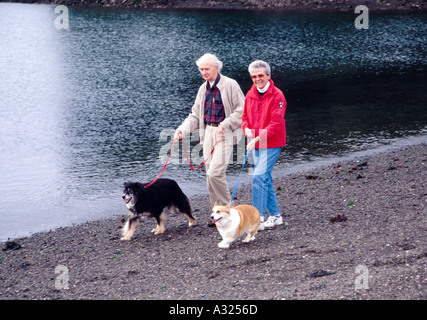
point(263, 193)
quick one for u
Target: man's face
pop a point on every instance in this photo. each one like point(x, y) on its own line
point(208, 70)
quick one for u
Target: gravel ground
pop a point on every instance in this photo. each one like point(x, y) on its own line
point(378, 205)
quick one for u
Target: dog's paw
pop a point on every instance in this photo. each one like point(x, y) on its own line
point(223, 245)
point(158, 230)
point(248, 239)
point(125, 238)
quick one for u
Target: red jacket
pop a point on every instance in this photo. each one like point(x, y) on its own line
point(266, 116)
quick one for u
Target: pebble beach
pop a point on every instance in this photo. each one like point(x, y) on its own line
point(352, 230)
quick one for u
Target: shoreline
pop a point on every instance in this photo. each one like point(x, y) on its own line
point(382, 195)
point(269, 5)
point(281, 171)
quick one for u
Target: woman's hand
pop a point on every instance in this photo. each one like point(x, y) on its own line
point(252, 143)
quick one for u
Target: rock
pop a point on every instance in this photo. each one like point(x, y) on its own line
point(320, 273)
point(11, 246)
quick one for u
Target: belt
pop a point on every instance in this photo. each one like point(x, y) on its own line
point(212, 124)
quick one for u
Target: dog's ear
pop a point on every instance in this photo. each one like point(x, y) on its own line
point(229, 206)
point(215, 204)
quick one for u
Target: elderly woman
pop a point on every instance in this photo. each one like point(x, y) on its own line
point(263, 123)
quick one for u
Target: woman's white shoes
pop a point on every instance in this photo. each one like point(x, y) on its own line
point(272, 221)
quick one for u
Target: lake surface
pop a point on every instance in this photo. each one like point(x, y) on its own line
point(86, 108)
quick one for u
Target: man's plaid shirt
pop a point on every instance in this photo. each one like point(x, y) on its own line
point(214, 109)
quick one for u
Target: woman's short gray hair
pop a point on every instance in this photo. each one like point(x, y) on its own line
point(211, 57)
point(259, 64)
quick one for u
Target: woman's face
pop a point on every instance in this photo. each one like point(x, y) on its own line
point(260, 78)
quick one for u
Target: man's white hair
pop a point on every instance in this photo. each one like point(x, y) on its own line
point(259, 64)
point(213, 58)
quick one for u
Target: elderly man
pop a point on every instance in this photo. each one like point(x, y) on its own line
point(217, 113)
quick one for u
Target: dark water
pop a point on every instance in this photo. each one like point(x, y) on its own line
point(85, 109)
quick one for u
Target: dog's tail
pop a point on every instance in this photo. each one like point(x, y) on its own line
point(183, 205)
point(182, 202)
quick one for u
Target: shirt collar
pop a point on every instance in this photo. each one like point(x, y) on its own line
point(215, 83)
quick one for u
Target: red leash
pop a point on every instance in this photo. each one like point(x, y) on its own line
point(164, 167)
point(188, 160)
point(203, 163)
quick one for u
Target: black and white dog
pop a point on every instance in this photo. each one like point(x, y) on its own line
point(154, 201)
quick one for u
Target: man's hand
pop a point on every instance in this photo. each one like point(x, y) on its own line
point(177, 135)
point(220, 129)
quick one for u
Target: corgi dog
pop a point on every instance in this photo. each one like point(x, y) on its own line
point(233, 222)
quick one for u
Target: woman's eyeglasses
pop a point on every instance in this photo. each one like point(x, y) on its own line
point(255, 76)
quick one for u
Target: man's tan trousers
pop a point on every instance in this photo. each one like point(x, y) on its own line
point(216, 166)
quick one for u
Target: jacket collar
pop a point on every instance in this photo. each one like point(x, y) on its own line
point(254, 91)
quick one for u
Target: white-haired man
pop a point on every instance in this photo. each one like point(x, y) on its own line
point(217, 113)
